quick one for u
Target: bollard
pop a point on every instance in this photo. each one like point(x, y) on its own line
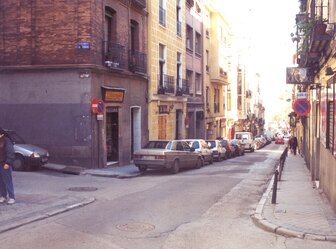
point(275, 186)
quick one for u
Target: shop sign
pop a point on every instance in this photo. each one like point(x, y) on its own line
point(302, 95)
point(113, 95)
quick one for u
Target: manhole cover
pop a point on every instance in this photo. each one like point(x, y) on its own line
point(136, 227)
point(83, 189)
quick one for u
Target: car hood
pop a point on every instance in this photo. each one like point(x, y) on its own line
point(29, 148)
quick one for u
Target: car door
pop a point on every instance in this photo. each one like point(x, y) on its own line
point(181, 154)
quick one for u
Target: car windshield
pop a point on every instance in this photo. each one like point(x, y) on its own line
point(156, 145)
point(224, 143)
point(15, 138)
point(212, 144)
point(238, 136)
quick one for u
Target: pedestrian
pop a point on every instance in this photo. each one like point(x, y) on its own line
point(7, 157)
point(294, 144)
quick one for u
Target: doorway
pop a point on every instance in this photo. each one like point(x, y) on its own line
point(112, 131)
point(135, 129)
point(178, 124)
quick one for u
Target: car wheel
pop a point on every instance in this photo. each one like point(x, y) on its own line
point(18, 164)
point(142, 168)
point(199, 163)
point(176, 167)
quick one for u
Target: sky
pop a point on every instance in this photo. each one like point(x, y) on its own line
point(267, 25)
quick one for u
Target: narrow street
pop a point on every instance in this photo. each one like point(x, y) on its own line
point(158, 210)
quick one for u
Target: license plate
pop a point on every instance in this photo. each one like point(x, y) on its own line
point(148, 157)
point(44, 159)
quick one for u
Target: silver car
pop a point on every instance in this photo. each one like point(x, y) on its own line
point(27, 156)
point(167, 154)
point(218, 151)
point(202, 147)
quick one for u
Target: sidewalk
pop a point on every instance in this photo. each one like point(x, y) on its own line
point(127, 171)
point(300, 210)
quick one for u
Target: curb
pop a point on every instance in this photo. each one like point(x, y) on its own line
point(267, 226)
point(46, 215)
point(111, 174)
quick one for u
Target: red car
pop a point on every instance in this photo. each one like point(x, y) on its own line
point(279, 140)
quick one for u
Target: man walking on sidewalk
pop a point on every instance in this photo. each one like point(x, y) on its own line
point(294, 144)
point(7, 157)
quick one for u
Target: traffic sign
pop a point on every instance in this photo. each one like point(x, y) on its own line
point(97, 106)
point(301, 107)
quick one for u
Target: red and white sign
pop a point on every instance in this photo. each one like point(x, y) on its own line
point(97, 106)
point(301, 107)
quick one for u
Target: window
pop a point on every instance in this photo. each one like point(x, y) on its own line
point(207, 68)
point(198, 85)
point(179, 70)
point(110, 25)
point(162, 64)
point(134, 43)
point(207, 98)
point(229, 100)
point(189, 38)
point(198, 43)
point(330, 116)
point(190, 80)
point(178, 18)
point(162, 13)
point(216, 101)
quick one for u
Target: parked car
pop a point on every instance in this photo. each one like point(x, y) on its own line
point(167, 154)
point(279, 140)
point(202, 147)
point(27, 156)
point(245, 138)
point(239, 148)
point(218, 151)
point(230, 152)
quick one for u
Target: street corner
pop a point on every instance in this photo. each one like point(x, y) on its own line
point(34, 207)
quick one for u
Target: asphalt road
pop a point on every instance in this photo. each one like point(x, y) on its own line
point(160, 210)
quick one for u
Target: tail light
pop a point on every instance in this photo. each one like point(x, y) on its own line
point(160, 157)
point(136, 156)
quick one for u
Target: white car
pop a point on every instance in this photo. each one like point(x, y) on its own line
point(202, 147)
point(218, 151)
point(27, 156)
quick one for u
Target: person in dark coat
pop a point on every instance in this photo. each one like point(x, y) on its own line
point(7, 156)
point(294, 144)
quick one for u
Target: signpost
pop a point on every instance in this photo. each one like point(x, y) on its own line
point(301, 107)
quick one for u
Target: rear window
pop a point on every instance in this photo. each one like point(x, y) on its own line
point(224, 143)
point(156, 145)
point(239, 136)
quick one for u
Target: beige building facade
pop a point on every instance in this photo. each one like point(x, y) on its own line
point(168, 89)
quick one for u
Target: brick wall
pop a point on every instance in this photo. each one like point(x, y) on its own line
point(48, 32)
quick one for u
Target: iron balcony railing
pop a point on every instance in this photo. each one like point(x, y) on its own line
point(182, 87)
point(165, 84)
point(114, 55)
point(139, 3)
point(137, 61)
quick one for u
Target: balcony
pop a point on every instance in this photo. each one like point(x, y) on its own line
point(165, 84)
point(182, 87)
point(139, 3)
point(114, 55)
point(137, 61)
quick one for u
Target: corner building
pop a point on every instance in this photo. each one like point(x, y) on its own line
point(55, 57)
